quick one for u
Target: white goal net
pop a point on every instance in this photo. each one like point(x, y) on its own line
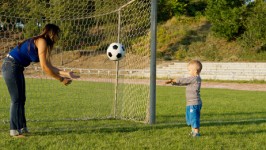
point(106, 89)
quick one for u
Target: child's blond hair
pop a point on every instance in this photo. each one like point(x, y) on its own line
point(196, 64)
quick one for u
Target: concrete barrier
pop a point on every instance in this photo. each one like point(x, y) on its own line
point(216, 70)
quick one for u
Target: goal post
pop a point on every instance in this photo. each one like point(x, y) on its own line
point(153, 62)
point(107, 89)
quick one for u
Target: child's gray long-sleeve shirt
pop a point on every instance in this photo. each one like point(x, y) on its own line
point(193, 84)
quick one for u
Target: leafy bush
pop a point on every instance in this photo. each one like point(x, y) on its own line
point(194, 8)
point(169, 8)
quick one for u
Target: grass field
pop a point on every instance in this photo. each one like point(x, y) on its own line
point(231, 119)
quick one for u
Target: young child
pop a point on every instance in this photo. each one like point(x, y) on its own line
point(193, 100)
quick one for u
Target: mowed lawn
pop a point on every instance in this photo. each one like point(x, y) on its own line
point(230, 119)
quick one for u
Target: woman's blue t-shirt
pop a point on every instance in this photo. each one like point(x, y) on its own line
point(26, 53)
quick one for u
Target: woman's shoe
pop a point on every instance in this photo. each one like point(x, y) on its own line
point(16, 133)
point(24, 130)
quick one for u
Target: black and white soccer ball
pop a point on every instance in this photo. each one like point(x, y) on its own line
point(116, 51)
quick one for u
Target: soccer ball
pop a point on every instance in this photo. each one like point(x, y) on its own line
point(116, 51)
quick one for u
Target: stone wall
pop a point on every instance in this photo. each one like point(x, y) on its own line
point(216, 70)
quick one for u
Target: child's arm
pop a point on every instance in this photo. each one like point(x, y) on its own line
point(171, 81)
point(181, 81)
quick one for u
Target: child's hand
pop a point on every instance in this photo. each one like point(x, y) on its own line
point(169, 81)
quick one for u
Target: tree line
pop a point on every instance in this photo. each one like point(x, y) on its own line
point(83, 23)
point(242, 20)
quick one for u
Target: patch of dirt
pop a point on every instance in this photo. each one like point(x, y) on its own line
point(235, 86)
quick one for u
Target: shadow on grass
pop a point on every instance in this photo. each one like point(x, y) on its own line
point(226, 114)
point(76, 128)
point(233, 122)
point(260, 131)
point(99, 127)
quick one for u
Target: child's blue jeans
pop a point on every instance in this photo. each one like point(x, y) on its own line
point(193, 115)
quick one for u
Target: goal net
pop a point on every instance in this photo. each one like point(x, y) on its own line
point(106, 89)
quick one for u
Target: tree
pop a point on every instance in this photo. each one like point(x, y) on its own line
point(7, 22)
point(226, 17)
point(255, 24)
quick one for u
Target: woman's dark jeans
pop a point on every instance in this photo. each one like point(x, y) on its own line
point(15, 81)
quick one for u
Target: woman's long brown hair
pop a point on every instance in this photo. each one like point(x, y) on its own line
point(48, 33)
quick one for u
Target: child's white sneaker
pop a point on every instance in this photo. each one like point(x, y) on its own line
point(195, 135)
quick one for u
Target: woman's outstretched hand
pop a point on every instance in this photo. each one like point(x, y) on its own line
point(66, 81)
point(72, 75)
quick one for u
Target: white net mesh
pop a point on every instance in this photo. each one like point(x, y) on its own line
point(88, 27)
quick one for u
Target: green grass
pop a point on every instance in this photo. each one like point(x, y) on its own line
point(230, 119)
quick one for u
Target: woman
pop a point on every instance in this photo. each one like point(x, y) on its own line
point(35, 49)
